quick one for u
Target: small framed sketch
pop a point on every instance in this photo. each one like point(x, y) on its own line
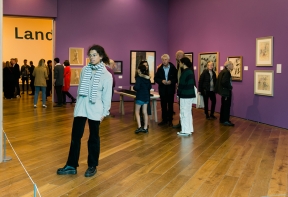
point(118, 67)
point(75, 76)
point(190, 56)
point(87, 60)
point(264, 82)
point(76, 56)
point(237, 71)
point(136, 57)
point(203, 60)
point(264, 51)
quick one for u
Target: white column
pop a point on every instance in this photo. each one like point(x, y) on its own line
point(1, 82)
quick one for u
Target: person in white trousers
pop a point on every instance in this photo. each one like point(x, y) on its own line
point(186, 93)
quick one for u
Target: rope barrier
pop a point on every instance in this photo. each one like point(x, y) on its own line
point(35, 186)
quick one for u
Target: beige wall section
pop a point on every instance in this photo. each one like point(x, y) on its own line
point(26, 46)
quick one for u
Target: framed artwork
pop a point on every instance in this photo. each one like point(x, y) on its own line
point(136, 57)
point(118, 67)
point(264, 51)
point(76, 56)
point(204, 58)
point(87, 60)
point(264, 82)
point(237, 71)
point(190, 56)
point(75, 76)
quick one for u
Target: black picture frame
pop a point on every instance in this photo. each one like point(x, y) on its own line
point(136, 57)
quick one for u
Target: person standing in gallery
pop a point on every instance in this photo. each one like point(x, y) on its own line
point(49, 81)
point(166, 78)
point(93, 103)
point(32, 78)
point(58, 81)
point(16, 72)
point(185, 94)
point(25, 76)
point(206, 86)
point(40, 74)
point(66, 86)
point(142, 88)
point(8, 80)
point(224, 88)
point(179, 55)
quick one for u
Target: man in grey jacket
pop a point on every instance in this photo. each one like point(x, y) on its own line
point(58, 81)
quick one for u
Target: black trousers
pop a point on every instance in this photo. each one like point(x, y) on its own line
point(93, 142)
point(64, 93)
point(212, 96)
point(225, 108)
point(49, 87)
point(167, 101)
point(59, 94)
point(32, 86)
point(17, 87)
point(23, 84)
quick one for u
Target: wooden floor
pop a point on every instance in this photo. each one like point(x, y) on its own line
point(249, 159)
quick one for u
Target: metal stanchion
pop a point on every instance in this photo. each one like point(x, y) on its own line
point(35, 190)
point(5, 158)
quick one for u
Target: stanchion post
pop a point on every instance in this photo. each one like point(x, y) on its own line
point(5, 158)
point(35, 190)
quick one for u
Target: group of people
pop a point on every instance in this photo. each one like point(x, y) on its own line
point(181, 80)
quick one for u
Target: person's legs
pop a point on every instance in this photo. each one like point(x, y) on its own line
point(184, 116)
point(170, 107)
point(222, 114)
point(23, 83)
point(43, 95)
point(145, 114)
point(213, 102)
point(163, 100)
point(93, 143)
point(137, 110)
point(64, 97)
point(77, 133)
point(205, 98)
point(190, 116)
point(27, 85)
point(37, 89)
point(59, 94)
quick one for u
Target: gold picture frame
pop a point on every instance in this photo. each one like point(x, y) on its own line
point(76, 56)
point(264, 51)
point(264, 82)
point(203, 60)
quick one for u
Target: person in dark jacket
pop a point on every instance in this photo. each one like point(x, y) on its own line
point(206, 87)
point(8, 81)
point(58, 81)
point(142, 88)
point(16, 72)
point(32, 78)
point(166, 78)
point(49, 81)
point(224, 88)
point(25, 76)
point(186, 93)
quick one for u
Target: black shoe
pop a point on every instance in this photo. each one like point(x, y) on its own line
point(73, 100)
point(138, 130)
point(208, 117)
point(57, 106)
point(145, 130)
point(31, 94)
point(91, 171)
point(213, 117)
point(22, 93)
point(66, 170)
point(177, 126)
point(227, 123)
point(170, 124)
point(162, 123)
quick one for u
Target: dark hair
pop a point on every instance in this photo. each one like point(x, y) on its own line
point(25, 60)
point(57, 60)
point(66, 63)
point(31, 62)
point(186, 61)
point(142, 63)
point(142, 69)
point(100, 50)
point(49, 61)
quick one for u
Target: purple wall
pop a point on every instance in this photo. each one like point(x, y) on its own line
point(231, 27)
point(37, 8)
point(119, 26)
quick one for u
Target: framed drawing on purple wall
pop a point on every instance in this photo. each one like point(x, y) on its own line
point(118, 67)
point(75, 76)
point(264, 51)
point(237, 71)
point(136, 57)
point(76, 56)
point(205, 58)
point(190, 56)
point(264, 82)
